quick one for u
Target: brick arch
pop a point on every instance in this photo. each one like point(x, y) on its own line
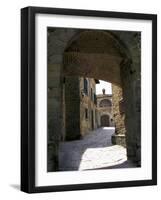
point(94, 54)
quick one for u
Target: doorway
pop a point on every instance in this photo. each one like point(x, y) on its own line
point(105, 121)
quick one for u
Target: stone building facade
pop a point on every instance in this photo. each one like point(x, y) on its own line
point(104, 110)
point(79, 107)
point(88, 105)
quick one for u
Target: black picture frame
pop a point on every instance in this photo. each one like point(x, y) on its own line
point(28, 98)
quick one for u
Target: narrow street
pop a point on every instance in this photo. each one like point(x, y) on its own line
point(94, 151)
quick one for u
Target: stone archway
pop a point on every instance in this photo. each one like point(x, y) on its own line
point(105, 103)
point(105, 55)
point(105, 121)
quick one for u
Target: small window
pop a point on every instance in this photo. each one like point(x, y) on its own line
point(85, 86)
point(91, 94)
point(86, 113)
point(95, 99)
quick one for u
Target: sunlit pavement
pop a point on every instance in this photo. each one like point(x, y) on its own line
point(94, 151)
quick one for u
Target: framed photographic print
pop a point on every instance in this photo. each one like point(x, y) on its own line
point(88, 99)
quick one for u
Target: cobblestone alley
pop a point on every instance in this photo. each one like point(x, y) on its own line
point(94, 151)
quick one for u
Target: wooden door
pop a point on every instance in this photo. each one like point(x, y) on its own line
point(104, 120)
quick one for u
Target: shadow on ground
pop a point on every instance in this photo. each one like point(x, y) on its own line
point(15, 186)
point(94, 151)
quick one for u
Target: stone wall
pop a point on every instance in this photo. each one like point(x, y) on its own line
point(78, 107)
point(118, 116)
point(56, 44)
point(131, 76)
point(54, 108)
point(118, 112)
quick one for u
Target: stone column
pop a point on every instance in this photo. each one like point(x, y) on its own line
point(131, 75)
point(131, 122)
point(137, 92)
point(72, 104)
point(54, 114)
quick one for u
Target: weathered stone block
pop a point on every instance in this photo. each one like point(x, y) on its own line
point(119, 140)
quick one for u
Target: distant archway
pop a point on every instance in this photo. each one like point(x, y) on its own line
point(105, 103)
point(105, 120)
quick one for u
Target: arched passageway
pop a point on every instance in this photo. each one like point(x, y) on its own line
point(112, 56)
